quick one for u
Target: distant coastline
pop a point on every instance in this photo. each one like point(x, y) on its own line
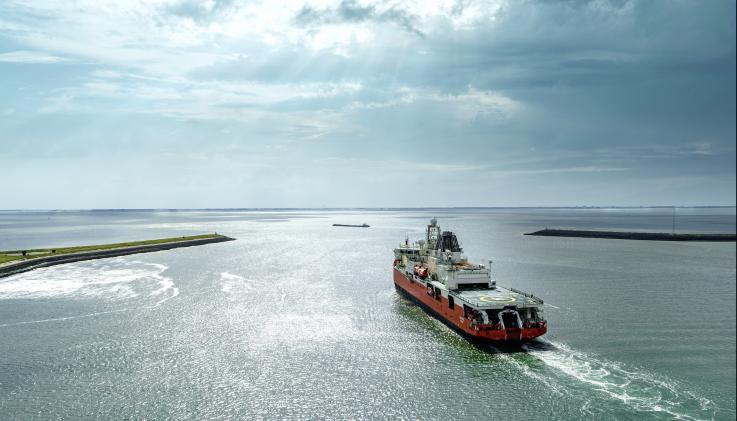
point(49, 257)
point(624, 235)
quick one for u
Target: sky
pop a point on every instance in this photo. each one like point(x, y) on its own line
point(352, 103)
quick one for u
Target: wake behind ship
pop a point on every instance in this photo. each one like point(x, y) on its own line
point(435, 273)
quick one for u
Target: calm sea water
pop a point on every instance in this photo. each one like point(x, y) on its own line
point(300, 320)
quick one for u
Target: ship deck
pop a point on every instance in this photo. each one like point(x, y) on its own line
point(495, 298)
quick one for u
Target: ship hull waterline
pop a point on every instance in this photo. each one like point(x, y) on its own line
point(453, 317)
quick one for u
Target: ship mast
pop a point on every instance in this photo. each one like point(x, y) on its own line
point(433, 234)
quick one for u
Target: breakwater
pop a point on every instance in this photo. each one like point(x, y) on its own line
point(622, 235)
point(15, 267)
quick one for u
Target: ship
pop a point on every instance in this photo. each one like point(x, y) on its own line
point(436, 274)
point(352, 225)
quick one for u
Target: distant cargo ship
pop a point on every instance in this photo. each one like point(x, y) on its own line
point(352, 225)
point(434, 273)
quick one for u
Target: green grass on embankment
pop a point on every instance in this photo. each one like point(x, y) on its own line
point(11, 255)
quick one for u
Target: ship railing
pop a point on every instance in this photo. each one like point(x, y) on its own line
point(499, 326)
point(527, 294)
point(416, 278)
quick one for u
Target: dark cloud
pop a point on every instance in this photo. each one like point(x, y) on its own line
point(632, 82)
point(350, 11)
point(196, 10)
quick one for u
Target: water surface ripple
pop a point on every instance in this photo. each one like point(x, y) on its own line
point(299, 320)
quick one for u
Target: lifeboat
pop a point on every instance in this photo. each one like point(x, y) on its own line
point(421, 271)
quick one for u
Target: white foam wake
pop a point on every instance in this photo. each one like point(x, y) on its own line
point(113, 279)
point(62, 319)
point(637, 389)
point(230, 282)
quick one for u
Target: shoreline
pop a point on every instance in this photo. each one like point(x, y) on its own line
point(26, 265)
point(624, 235)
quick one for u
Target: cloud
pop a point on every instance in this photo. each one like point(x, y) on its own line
point(580, 90)
point(351, 11)
point(467, 105)
point(259, 105)
point(560, 170)
point(30, 57)
point(196, 98)
point(473, 103)
point(200, 11)
point(323, 104)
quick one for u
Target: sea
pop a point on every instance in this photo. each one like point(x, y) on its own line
point(300, 320)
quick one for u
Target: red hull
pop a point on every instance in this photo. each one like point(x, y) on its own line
point(455, 317)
